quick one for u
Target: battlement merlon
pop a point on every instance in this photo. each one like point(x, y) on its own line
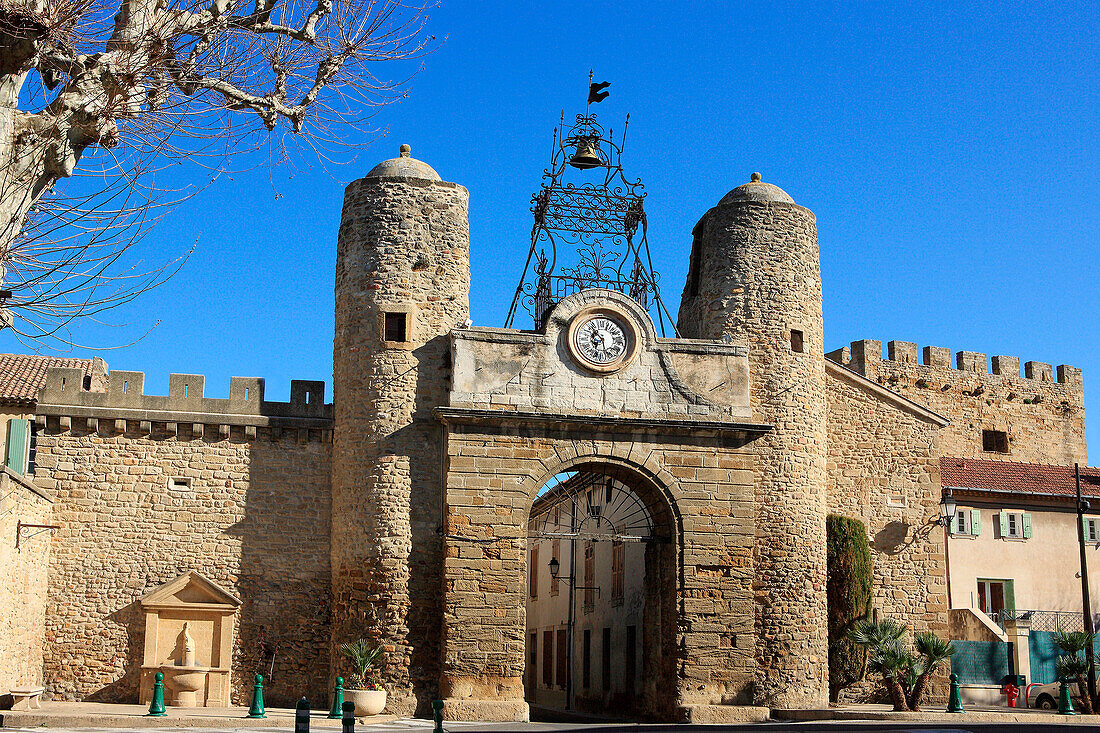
point(124, 399)
point(865, 357)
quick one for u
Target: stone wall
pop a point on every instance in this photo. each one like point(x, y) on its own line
point(249, 508)
point(698, 618)
point(883, 471)
point(755, 279)
point(22, 580)
point(403, 253)
point(1042, 412)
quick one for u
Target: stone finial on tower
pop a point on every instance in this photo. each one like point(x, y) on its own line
point(755, 277)
point(404, 166)
point(402, 284)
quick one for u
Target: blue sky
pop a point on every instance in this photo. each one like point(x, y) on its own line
point(948, 151)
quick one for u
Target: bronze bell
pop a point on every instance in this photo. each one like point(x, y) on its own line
point(585, 156)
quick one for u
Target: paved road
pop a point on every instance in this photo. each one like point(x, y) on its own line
point(424, 726)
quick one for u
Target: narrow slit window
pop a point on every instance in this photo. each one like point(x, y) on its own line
point(177, 483)
point(396, 327)
point(797, 344)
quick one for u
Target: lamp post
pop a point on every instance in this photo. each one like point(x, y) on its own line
point(594, 512)
point(1086, 606)
point(948, 507)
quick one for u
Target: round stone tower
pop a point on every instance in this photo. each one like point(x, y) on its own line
point(402, 283)
point(755, 278)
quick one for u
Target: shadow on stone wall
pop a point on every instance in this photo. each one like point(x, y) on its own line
point(283, 579)
point(125, 688)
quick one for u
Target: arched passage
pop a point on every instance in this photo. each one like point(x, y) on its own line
point(602, 592)
point(698, 618)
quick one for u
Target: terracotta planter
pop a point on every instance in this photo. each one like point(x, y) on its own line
point(367, 702)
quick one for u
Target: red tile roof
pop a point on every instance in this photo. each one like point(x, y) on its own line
point(1017, 478)
point(22, 375)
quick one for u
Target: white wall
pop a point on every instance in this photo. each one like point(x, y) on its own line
point(1044, 568)
point(551, 612)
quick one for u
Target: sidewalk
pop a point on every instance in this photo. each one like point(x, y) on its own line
point(106, 715)
point(935, 714)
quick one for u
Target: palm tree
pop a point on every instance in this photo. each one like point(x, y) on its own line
point(1072, 665)
point(904, 673)
point(894, 662)
point(934, 652)
point(876, 633)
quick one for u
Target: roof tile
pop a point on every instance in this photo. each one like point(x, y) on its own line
point(22, 375)
point(1017, 478)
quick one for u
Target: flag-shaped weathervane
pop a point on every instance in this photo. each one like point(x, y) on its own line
point(596, 90)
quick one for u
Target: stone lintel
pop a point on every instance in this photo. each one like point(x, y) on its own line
point(743, 432)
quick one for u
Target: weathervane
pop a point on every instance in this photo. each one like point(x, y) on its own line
point(599, 220)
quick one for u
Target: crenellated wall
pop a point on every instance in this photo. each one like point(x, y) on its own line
point(1042, 412)
point(149, 487)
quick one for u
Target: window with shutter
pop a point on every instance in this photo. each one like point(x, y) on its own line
point(533, 571)
point(19, 433)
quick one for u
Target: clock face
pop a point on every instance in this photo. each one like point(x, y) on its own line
point(601, 340)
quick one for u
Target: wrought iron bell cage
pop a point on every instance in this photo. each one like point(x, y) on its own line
point(603, 221)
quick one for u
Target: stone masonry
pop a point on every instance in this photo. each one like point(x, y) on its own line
point(754, 278)
point(150, 487)
point(404, 256)
point(400, 512)
point(648, 425)
point(1043, 412)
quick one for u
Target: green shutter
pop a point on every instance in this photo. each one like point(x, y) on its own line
point(18, 435)
point(1026, 525)
point(1002, 521)
point(1010, 596)
point(976, 522)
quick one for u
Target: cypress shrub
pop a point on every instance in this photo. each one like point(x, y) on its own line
point(848, 590)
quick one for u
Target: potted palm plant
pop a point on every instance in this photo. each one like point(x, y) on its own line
point(364, 685)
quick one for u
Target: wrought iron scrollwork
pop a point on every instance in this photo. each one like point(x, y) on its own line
point(596, 224)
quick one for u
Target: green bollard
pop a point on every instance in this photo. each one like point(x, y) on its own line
point(955, 700)
point(1065, 702)
point(156, 707)
point(336, 711)
point(256, 710)
point(437, 706)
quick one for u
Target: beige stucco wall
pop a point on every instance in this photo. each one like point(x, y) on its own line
point(23, 573)
point(1044, 569)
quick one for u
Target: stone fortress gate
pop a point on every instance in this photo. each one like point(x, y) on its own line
point(270, 533)
point(444, 433)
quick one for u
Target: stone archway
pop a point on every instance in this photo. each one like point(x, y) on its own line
point(696, 480)
point(619, 653)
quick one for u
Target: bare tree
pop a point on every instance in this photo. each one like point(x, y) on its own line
point(116, 89)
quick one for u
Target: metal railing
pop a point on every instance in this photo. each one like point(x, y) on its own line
point(1044, 620)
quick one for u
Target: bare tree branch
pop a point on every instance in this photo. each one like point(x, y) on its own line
point(137, 84)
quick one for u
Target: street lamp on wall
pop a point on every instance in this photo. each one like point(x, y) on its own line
point(555, 567)
point(948, 507)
